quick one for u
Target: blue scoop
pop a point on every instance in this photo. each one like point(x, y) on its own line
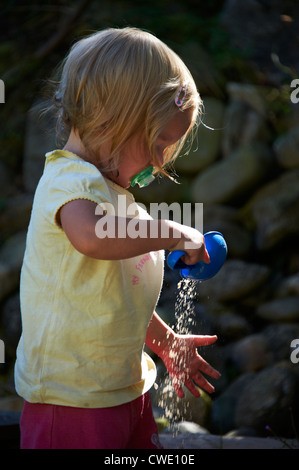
point(217, 249)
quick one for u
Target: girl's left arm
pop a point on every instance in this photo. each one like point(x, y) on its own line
point(180, 356)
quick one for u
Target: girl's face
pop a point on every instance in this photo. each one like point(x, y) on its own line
point(136, 158)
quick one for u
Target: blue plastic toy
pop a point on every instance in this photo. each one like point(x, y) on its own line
point(217, 249)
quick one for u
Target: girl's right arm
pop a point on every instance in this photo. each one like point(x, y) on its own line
point(78, 219)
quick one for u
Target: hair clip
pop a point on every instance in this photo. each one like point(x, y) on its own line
point(179, 100)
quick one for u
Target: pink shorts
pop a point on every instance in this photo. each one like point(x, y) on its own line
point(127, 426)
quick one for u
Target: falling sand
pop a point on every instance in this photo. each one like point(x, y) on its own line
point(175, 409)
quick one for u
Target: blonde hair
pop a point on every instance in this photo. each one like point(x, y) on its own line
point(119, 82)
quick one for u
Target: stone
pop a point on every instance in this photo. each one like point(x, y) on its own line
point(258, 29)
point(225, 219)
point(12, 251)
point(279, 337)
point(15, 214)
point(273, 210)
point(11, 257)
point(12, 404)
point(40, 138)
point(231, 327)
point(224, 406)
point(207, 143)
point(286, 148)
point(251, 354)
point(184, 427)
point(245, 118)
point(241, 432)
point(8, 418)
point(267, 399)
point(235, 280)
point(9, 280)
point(248, 94)
point(5, 181)
point(238, 239)
point(232, 177)
point(288, 286)
point(243, 126)
point(163, 189)
point(9, 430)
point(202, 68)
point(12, 324)
point(209, 441)
point(280, 310)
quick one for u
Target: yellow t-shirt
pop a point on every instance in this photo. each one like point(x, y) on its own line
point(84, 320)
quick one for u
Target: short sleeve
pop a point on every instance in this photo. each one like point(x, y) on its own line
point(66, 179)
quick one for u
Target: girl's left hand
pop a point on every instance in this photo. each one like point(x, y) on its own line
point(186, 366)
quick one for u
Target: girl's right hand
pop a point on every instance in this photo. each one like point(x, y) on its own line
point(190, 241)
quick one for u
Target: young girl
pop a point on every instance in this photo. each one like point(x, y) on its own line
point(127, 103)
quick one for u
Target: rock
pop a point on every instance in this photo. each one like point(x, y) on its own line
point(241, 432)
point(248, 94)
point(231, 327)
point(9, 418)
point(40, 138)
point(15, 214)
point(12, 324)
point(224, 406)
point(238, 239)
point(225, 219)
point(207, 143)
point(9, 430)
point(12, 251)
point(214, 214)
point(288, 286)
point(186, 427)
point(267, 399)
point(5, 181)
point(235, 280)
point(273, 210)
point(280, 310)
point(11, 257)
point(232, 177)
point(243, 125)
point(164, 190)
point(209, 441)
point(12, 403)
point(245, 118)
point(258, 29)
point(9, 280)
point(251, 354)
point(202, 68)
point(279, 337)
point(286, 148)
